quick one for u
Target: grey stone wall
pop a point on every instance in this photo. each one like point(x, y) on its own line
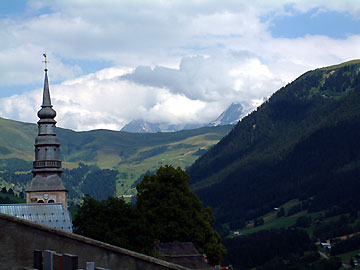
point(19, 238)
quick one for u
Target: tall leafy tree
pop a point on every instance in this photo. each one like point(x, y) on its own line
point(113, 221)
point(175, 214)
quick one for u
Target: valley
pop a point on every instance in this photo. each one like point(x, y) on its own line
point(131, 155)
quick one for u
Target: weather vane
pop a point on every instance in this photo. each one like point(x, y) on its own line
point(45, 61)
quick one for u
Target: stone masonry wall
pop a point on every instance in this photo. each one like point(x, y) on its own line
point(19, 238)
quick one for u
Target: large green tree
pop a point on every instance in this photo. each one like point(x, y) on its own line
point(113, 221)
point(175, 214)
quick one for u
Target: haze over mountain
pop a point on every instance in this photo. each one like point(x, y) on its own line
point(229, 117)
point(141, 126)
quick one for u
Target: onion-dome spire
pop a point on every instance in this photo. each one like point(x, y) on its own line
point(46, 111)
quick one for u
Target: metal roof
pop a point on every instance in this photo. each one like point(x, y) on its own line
point(184, 254)
point(51, 183)
point(49, 214)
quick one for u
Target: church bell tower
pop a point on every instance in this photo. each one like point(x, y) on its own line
point(46, 185)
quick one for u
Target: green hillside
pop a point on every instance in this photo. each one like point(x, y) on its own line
point(284, 182)
point(131, 154)
point(303, 143)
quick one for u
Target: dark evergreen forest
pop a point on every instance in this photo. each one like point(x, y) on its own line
point(303, 143)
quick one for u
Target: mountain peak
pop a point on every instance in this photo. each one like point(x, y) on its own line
point(230, 116)
point(141, 126)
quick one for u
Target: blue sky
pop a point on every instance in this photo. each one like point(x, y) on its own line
point(188, 60)
point(10, 8)
point(333, 24)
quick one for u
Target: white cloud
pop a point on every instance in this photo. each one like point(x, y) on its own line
point(21, 107)
point(132, 33)
point(350, 6)
point(197, 92)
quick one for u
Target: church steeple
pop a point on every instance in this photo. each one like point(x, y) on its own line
point(46, 186)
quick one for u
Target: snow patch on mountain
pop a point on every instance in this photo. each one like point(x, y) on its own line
point(230, 116)
point(141, 126)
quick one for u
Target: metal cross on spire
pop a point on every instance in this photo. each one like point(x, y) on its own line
point(45, 61)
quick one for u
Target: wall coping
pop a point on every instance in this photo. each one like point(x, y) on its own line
point(93, 242)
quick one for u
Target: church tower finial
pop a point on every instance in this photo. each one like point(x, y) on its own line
point(45, 61)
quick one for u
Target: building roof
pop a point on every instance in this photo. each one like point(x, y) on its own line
point(184, 254)
point(49, 183)
point(49, 214)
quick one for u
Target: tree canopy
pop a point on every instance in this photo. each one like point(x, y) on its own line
point(175, 214)
point(166, 210)
point(113, 221)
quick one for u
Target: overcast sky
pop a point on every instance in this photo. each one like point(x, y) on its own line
point(163, 61)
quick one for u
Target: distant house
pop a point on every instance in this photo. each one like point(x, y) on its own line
point(218, 267)
point(184, 254)
point(326, 245)
point(125, 196)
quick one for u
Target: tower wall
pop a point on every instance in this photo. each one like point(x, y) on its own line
point(47, 197)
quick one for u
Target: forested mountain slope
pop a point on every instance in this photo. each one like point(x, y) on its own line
point(304, 142)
